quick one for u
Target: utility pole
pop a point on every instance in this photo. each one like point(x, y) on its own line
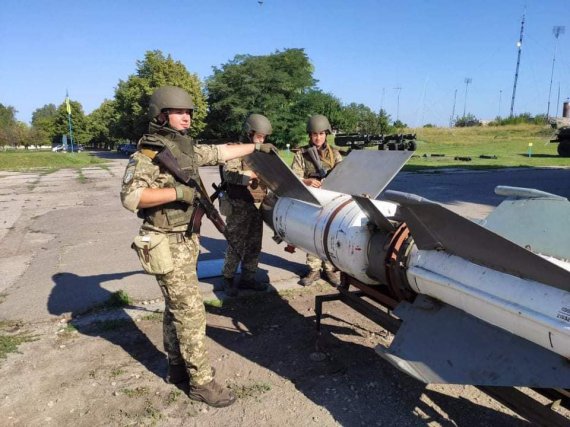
point(467, 81)
point(453, 111)
point(519, 47)
point(500, 98)
point(399, 89)
point(556, 30)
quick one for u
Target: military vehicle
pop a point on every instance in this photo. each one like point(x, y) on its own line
point(563, 139)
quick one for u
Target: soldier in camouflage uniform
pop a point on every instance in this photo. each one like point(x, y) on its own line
point(244, 223)
point(163, 245)
point(318, 127)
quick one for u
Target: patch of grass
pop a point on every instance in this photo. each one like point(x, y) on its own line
point(9, 343)
point(154, 317)
point(68, 332)
point(214, 303)
point(151, 412)
point(173, 396)
point(117, 372)
point(3, 297)
point(31, 160)
point(253, 390)
point(135, 392)
point(119, 299)
point(80, 177)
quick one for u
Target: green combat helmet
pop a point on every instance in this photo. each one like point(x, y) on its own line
point(318, 123)
point(257, 123)
point(169, 97)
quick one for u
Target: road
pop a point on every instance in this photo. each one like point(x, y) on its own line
point(65, 238)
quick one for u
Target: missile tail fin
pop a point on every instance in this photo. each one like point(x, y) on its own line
point(440, 344)
point(279, 178)
point(366, 172)
point(373, 213)
point(436, 228)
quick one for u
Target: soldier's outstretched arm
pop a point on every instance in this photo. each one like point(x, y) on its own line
point(233, 151)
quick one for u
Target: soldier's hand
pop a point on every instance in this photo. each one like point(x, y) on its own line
point(312, 182)
point(266, 148)
point(185, 194)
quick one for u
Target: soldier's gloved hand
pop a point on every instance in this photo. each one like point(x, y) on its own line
point(184, 193)
point(266, 148)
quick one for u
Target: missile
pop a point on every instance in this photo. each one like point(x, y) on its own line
point(482, 303)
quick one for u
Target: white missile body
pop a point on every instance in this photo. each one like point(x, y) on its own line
point(451, 260)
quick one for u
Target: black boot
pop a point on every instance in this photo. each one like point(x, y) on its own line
point(177, 374)
point(230, 288)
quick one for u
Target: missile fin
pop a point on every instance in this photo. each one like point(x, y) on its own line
point(440, 344)
point(366, 172)
point(434, 227)
point(373, 213)
point(279, 178)
point(533, 219)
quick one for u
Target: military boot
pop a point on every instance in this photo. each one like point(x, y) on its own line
point(333, 277)
point(310, 278)
point(230, 288)
point(177, 374)
point(253, 284)
point(213, 393)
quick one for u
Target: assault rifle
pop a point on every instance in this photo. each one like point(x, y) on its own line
point(321, 173)
point(204, 203)
point(397, 141)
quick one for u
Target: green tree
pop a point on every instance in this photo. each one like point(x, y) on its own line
point(43, 125)
point(100, 124)
point(272, 85)
point(132, 95)
point(7, 116)
point(78, 124)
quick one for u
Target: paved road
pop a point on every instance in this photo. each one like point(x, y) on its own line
point(64, 236)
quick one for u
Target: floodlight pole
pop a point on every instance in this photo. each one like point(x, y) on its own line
point(467, 81)
point(453, 110)
point(519, 47)
point(399, 89)
point(556, 30)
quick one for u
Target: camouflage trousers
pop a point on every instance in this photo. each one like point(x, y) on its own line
point(244, 226)
point(316, 264)
point(184, 321)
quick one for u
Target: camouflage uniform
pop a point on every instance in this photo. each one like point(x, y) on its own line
point(303, 167)
point(244, 222)
point(184, 321)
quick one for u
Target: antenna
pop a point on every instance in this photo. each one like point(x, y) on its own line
point(519, 46)
point(556, 30)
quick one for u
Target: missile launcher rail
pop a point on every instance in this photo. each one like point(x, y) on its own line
point(399, 141)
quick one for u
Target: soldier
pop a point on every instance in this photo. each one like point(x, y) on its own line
point(244, 223)
point(164, 246)
point(318, 127)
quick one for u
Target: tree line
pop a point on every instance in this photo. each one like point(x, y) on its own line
point(279, 85)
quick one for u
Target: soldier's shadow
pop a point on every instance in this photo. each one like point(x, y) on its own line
point(348, 379)
point(90, 317)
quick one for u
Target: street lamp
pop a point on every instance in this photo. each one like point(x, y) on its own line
point(467, 81)
point(556, 30)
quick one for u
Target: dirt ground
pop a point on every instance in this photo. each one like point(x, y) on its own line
point(62, 244)
point(109, 368)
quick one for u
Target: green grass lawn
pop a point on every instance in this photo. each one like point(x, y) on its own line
point(27, 160)
point(510, 144)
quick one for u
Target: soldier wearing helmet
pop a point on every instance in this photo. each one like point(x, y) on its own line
point(309, 169)
point(164, 246)
point(243, 218)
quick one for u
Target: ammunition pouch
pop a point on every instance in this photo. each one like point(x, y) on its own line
point(153, 250)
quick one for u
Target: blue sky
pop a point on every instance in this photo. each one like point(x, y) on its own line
point(361, 49)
